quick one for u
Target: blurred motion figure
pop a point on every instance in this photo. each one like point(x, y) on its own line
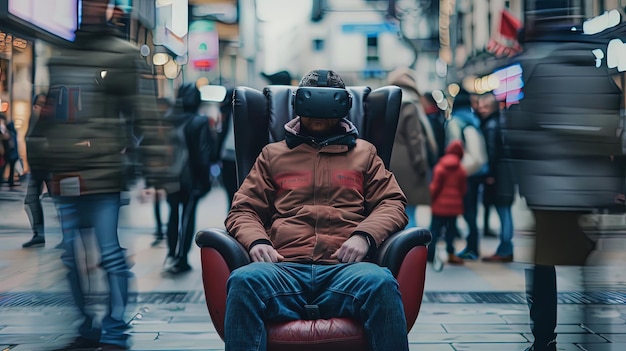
point(100, 104)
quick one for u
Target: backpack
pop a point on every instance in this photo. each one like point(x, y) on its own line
point(437, 121)
point(464, 128)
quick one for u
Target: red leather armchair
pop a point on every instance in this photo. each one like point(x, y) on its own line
point(375, 114)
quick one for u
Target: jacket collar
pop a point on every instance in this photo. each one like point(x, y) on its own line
point(347, 138)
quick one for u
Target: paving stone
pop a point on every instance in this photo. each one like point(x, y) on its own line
point(456, 337)
point(430, 347)
point(575, 338)
point(616, 338)
point(427, 328)
point(175, 327)
point(607, 328)
point(33, 338)
point(505, 328)
point(604, 347)
point(506, 347)
point(463, 319)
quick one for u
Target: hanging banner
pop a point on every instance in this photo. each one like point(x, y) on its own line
point(504, 42)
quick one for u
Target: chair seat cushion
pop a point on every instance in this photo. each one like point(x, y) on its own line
point(340, 334)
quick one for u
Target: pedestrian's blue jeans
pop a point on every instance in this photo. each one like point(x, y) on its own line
point(260, 292)
point(100, 212)
point(410, 212)
point(505, 248)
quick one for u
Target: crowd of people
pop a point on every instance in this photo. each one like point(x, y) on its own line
point(424, 162)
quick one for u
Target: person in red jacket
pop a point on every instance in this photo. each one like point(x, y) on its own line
point(447, 189)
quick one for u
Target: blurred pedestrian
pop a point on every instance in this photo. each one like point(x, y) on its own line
point(38, 177)
point(100, 105)
point(8, 135)
point(447, 191)
point(195, 179)
point(565, 140)
point(163, 105)
point(464, 125)
point(498, 185)
point(413, 142)
point(227, 148)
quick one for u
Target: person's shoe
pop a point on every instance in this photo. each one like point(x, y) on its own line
point(111, 347)
point(157, 241)
point(81, 344)
point(437, 263)
point(169, 263)
point(455, 260)
point(468, 255)
point(498, 259)
point(36, 241)
point(551, 346)
point(180, 267)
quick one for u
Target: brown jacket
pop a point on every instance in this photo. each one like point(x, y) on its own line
point(308, 200)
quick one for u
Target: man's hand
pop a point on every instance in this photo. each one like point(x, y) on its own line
point(352, 250)
point(265, 253)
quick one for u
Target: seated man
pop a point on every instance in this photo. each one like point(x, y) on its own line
point(312, 208)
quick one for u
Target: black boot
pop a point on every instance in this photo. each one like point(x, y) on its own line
point(542, 298)
point(551, 346)
point(36, 241)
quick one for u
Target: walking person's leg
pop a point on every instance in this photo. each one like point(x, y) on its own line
point(158, 234)
point(436, 226)
point(173, 229)
point(451, 229)
point(70, 211)
point(470, 205)
point(11, 176)
point(187, 231)
point(505, 249)
point(34, 210)
point(103, 211)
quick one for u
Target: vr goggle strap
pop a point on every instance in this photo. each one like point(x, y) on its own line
point(322, 79)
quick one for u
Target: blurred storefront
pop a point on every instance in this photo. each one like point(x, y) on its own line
point(28, 27)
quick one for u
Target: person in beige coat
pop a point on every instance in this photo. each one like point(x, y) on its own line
point(414, 140)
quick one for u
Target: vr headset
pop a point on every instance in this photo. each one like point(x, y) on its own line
point(321, 101)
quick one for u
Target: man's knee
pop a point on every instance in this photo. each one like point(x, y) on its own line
point(114, 262)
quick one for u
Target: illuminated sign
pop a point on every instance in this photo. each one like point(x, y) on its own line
point(510, 84)
point(203, 45)
point(58, 17)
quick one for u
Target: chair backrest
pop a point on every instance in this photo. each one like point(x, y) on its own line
point(259, 119)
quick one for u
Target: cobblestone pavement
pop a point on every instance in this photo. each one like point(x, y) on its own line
point(476, 307)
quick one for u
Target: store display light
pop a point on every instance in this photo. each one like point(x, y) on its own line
point(171, 69)
point(161, 56)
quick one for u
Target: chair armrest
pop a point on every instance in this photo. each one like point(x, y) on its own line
point(404, 254)
point(392, 251)
point(231, 250)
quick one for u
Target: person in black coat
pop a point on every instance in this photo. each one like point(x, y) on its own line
point(498, 185)
point(195, 179)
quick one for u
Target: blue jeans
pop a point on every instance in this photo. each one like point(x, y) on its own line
point(505, 248)
point(260, 292)
point(410, 212)
point(100, 212)
point(470, 205)
point(32, 201)
point(439, 224)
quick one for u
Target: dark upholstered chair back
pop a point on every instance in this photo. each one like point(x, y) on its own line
point(260, 117)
